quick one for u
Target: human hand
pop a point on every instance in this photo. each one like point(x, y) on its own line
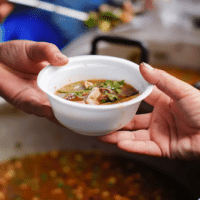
point(20, 63)
point(149, 5)
point(173, 128)
point(5, 9)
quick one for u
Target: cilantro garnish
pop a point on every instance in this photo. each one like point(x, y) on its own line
point(112, 97)
point(77, 93)
point(62, 91)
point(113, 85)
point(103, 101)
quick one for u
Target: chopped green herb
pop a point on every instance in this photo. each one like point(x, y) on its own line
point(62, 91)
point(44, 177)
point(121, 82)
point(92, 20)
point(80, 91)
point(118, 90)
point(18, 181)
point(108, 16)
point(79, 94)
point(113, 85)
point(78, 158)
point(103, 101)
point(17, 197)
point(63, 160)
point(76, 92)
point(60, 185)
point(112, 97)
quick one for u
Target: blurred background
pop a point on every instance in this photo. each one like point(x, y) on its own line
point(163, 33)
point(167, 30)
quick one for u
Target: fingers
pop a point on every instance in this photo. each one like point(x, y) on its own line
point(35, 104)
point(135, 142)
point(42, 51)
point(5, 9)
point(25, 95)
point(33, 101)
point(173, 87)
point(29, 56)
point(118, 136)
point(3, 1)
point(149, 148)
point(154, 96)
point(141, 121)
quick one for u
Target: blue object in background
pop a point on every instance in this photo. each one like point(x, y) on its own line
point(30, 27)
point(26, 23)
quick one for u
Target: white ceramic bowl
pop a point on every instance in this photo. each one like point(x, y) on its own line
point(93, 120)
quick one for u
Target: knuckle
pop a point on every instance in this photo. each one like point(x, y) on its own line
point(44, 47)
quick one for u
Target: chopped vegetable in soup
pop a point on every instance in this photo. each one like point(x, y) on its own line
point(98, 92)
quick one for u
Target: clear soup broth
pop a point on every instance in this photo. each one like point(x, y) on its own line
point(98, 92)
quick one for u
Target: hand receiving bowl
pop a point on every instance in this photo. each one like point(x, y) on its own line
point(86, 119)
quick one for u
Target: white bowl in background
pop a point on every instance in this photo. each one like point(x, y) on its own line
point(93, 120)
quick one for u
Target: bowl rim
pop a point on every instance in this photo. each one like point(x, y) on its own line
point(137, 99)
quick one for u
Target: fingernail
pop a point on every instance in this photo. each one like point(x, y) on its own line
point(61, 56)
point(147, 66)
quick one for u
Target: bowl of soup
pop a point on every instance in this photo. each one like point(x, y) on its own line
point(94, 95)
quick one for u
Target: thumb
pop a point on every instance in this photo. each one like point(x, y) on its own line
point(171, 86)
point(5, 9)
point(42, 51)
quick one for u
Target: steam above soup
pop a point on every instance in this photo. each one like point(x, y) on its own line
point(98, 92)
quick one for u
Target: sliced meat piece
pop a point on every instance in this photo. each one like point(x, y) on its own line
point(103, 98)
point(88, 84)
point(70, 96)
point(79, 87)
point(93, 96)
point(103, 90)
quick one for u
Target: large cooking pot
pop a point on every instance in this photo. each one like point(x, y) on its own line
point(22, 134)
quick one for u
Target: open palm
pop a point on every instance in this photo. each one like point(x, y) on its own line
point(172, 129)
point(20, 63)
